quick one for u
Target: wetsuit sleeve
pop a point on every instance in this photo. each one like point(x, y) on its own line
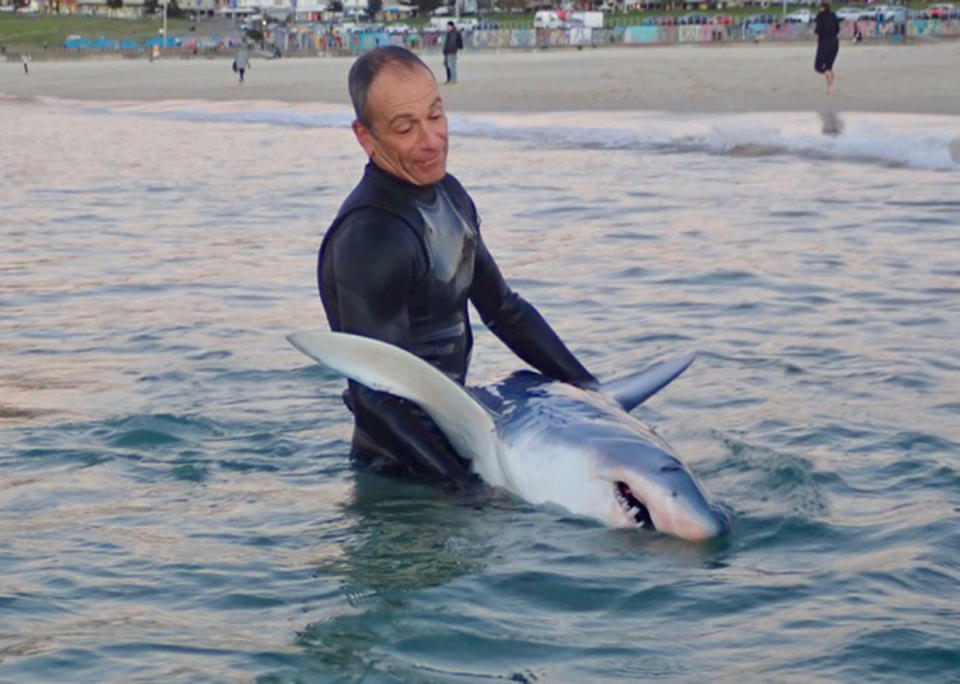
point(520, 326)
point(377, 262)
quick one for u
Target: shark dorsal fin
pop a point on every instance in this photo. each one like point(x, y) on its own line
point(632, 390)
point(389, 368)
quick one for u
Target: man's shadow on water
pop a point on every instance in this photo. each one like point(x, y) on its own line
point(832, 124)
point(400, 537)
point(408, 535)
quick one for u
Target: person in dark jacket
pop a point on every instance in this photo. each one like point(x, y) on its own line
point(452, 43)
point(828, 43)
point(403, 257)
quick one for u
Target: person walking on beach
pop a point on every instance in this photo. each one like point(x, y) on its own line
point(403, 257)
point(828, 43)
point(25, 58)
point(241, 62)
point(452, 43)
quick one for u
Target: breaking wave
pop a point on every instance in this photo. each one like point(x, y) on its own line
point(902, 140)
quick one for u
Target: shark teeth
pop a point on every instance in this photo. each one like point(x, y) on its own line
point(632, 506)
point(621, 499)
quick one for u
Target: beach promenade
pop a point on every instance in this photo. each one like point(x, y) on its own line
point(913, 78)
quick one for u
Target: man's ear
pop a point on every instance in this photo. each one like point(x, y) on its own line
point(364, 136)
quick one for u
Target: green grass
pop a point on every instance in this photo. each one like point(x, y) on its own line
point(27, 31)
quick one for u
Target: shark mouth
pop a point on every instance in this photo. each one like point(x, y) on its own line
point(632, 506)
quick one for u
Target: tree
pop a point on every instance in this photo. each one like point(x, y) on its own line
point(174, 11)
point(150, 7)
point(425, 7)
point(114, 4)
point(374, 7)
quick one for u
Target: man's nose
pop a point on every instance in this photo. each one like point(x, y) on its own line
point(434, 136)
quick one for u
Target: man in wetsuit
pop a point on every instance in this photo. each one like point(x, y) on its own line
point(402, 258)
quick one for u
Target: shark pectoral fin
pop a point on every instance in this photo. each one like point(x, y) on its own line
point(632, 390)
point(389, 368)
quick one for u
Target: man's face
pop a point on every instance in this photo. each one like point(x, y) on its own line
point(407, 135)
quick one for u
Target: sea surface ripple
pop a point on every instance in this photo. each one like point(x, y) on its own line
point(175, 496)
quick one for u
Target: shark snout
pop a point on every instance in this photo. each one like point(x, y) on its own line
point(674, 504)
point(711, 523)
point(693, 523)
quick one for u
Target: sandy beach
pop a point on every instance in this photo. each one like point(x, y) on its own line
point(915, 78)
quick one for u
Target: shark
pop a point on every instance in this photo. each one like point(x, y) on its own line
point(545, 441)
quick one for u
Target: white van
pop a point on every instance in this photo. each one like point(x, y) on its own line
point(440, 24)
point(547, 19)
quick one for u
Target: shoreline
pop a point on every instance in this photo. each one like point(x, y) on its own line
point(687, 78)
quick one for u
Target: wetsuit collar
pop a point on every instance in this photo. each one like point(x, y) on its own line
point(423, 193)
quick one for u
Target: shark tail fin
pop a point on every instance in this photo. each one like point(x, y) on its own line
point(388, 368)
point(632, 390)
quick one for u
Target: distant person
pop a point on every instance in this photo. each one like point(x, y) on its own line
point(828, 43)
point(857, 33)
point(25, 58)
point(241, 63)
point(452, 43)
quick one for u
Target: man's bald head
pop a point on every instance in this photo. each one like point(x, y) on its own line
point(366, 69)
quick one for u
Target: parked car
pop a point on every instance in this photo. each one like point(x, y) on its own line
point(849, 13)
point(466, 24)
point(940, 11)
point(547, 19)
point(722, 20)
point(800, 16)
point(760, 19)
point(694, 18)
point(439, 24)
point(892, 13)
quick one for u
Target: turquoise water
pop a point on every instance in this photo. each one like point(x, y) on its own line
point(175, 497)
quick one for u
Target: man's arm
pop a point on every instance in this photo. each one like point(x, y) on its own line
point(376, 259)
point(520, 326)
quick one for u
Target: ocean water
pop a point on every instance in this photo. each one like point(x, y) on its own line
point(176, 503)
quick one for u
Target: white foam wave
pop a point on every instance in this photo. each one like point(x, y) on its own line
point(922, 142)
point(911, 141)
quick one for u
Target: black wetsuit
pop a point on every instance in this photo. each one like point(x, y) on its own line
point(828, 42)
point(399, 264)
